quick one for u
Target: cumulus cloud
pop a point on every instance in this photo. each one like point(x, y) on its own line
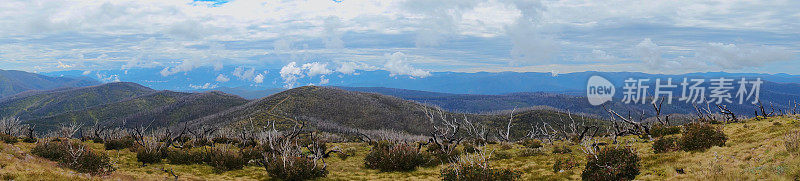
point(316, 68)
point(259, 78)
point(243, 73)
point(106, 79)
point(396, 66)
point(222, 78)
point(440, 19)
point(323, 80)
point(86, 72)
point(731, 56)
point(290, 73)
point(204, 86)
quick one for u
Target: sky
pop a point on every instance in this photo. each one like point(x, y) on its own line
point(245, 39)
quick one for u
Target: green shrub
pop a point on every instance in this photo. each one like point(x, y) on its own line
point(118, 144)
point(293, 168)
point(506, 146)
point(564, 164)
point(97, 140)
point(701, 136)
point(8, 138)
point(225, 140)
point(470, 148)
point(252, 153)
point(526, 152)
point(665, 144)
point(346, 153)
point(660, 130)
point(49, 150)
point(386, 156)
point(561, 150)
point(471, 171)
point(75, 156)
point(612, 163)
point(148, 156)
point(185, 156)
point(29, 140)
point(228, 158)
point(531, 143)
point(440, 155)
point(501, 155)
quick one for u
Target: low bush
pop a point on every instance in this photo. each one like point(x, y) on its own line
point(148, 156)
point(701, 136)
point(665, 144)
point(387, 156)
point(531, 143)
point(561, 150)
point(564, 164)
point(118, 144)
point(225, 140)
point(252, 153)
point(226, 158)
point(506, 146)
point(75, 156)
point(470, 148)
point(501, 155)
point(346, 153)
point(97, 140)
point(29, 140)
point(612, 163)
point(185, 156)
point(293, 168)
point(473, 171)
point(440, 155)
point(526, 152)
point(8, 138)
point(661, 130)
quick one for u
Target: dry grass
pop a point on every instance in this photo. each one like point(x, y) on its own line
point(756, 150)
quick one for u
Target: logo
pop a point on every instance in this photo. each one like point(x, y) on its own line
point(599, 90)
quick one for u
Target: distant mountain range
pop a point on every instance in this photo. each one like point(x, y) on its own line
point(341, 107)
point(13, 82)
point(484, 83)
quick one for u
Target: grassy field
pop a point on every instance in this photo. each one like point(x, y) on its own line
point(755, 150)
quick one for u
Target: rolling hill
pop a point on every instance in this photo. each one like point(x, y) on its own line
point(13, 82)
point(40, 104)
point(330, 108)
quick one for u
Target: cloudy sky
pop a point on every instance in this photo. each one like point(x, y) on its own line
point(410, 38)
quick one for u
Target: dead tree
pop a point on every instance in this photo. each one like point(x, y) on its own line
point(730, 116)
point(657, 108)
point(543, 132)
point(445, 134)
point(69, 130)
point(10, 126)
point(476, 130)
point(636, 127)
point(506, 136)
point(573, 130)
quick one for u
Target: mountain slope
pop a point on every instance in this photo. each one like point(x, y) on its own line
point(160, 108)
point(13, 82)
point(333, 108)
point(40, 104)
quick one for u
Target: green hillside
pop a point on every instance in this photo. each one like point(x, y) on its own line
point(50, 103)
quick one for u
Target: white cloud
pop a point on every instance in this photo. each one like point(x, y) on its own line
point(106, 79)
point(396, 66)
point(204, 86)
point(290, 73)
point(243, 73)
point(731, 56)
point(323, 80)
point(86, 72)
point(259, 78)
point(316, 68)
point(222, 78)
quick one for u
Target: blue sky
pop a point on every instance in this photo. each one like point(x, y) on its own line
point(407, 38)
